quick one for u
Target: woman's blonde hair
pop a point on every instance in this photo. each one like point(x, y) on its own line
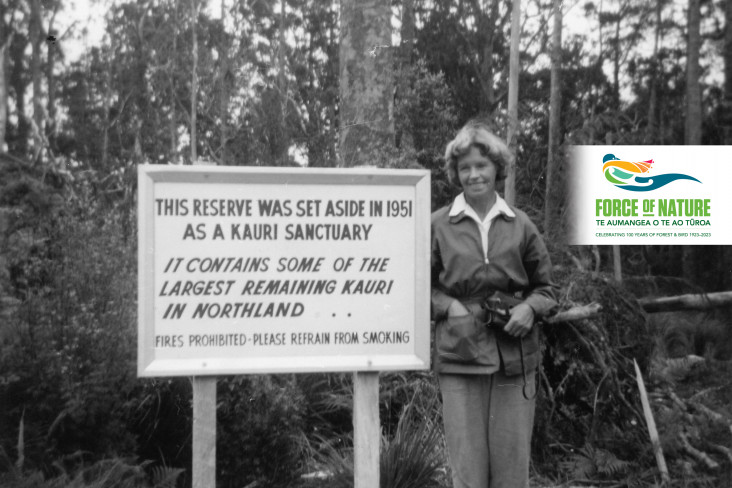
point(477, 134)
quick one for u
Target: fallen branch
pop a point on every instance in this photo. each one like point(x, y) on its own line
point(650, 305)
point(686, 302)
point(576, 313)
point(595, 482)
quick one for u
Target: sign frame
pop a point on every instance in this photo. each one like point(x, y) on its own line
point(151, 175)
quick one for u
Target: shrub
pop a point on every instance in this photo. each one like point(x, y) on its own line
point(260, 430)
point(68, 347)
point(589, 393)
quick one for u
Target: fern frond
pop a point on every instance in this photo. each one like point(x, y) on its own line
point(609, 465)
point(591, 461)
point(674, 369)
point(165, 476)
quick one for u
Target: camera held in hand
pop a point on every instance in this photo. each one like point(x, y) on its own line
point(498, 308)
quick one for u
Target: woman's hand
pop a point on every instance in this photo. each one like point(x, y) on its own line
point(457, 309)
point(521, 321)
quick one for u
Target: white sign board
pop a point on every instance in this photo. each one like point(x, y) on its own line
point(272, 270)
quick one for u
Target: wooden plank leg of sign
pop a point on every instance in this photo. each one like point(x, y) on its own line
point(204, 431)
point(366, 430)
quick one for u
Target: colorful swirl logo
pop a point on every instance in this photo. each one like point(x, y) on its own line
point(625, 174)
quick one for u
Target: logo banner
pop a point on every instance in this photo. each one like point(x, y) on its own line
point(650, 195)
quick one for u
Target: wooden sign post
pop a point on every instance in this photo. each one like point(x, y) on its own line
point(366, 430)
point(204, 431)
point(283, 270)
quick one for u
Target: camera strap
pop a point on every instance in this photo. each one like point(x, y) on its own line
point(523, 371)
point(497, 308)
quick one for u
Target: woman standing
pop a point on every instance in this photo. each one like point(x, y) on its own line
point(487, 256)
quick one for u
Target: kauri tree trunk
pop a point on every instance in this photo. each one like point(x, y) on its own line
point(652, 129)
point(552, 195)
point(51, 84)
point(4, 91)
point(693, 255)
point(403, 138)
point(224, 81)
point(35, 39)
point(727, 102)
point(366, 81)
point(194, 78)
point(727, 117)
point(693, 88)
point(281, 156)
point(513, 89)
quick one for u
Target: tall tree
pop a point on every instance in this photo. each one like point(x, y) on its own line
point(513, 88)
point(4, 46)
point(652, 128)
point(406, 46)
point(727, 118)
point(173, 120)
point(693, 71)
point(106, 106)
point(693, 255)
point(366, 138)
point(313, 68)
point(282, 97)
point(224, 81)
point(617, 19)
point(194, 79)
point(487, 26)
point(18, 83)
point(406, 52)
point(51, 52)
point(627, 21)
point(551, 204)
point(366, 99)
point(140, 86)
point(36, 74)
point(727, 53)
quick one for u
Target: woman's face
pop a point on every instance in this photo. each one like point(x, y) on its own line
point(477, 174)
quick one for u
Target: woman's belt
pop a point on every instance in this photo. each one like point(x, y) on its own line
point(475, 307)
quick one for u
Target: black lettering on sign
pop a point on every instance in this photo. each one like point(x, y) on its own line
point(169, 341)
point(274, 208)
point(197, 233)
point(174, 311)
point(171, 207)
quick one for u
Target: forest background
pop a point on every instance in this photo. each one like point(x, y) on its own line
point(251, 82)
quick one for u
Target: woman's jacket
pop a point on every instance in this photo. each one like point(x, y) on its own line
point(517, 264)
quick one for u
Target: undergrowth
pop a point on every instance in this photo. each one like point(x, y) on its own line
point(106, 473)
point(410, 457)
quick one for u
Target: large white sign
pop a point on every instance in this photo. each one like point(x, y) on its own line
point(269, 270)
point(651, 195)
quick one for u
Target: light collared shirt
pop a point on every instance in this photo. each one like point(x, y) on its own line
point(460, 205)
